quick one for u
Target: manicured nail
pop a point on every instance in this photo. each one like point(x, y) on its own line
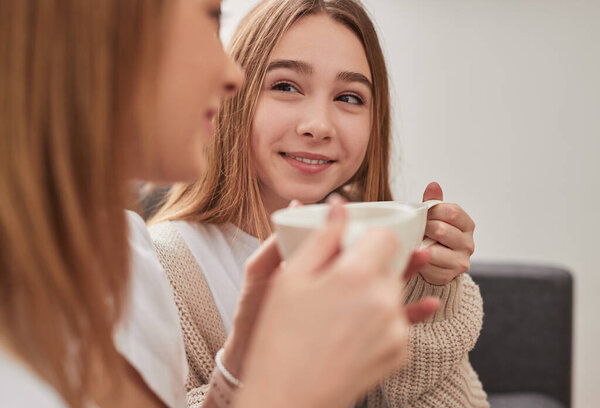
point(294, 203)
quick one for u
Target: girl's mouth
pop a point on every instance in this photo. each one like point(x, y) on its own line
point(308, 163)
point(307, 160)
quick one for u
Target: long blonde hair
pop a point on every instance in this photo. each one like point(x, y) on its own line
point(230, 191)
point(66, 69)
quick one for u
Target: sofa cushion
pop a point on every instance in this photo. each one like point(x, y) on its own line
point(525, 343)
point(523, 400)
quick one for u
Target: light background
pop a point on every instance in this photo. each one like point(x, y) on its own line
point(499, 101)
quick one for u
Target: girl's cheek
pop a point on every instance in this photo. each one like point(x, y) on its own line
point(358, 131)
point(280, 117)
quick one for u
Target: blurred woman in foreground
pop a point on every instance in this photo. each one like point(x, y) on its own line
point(92, 96)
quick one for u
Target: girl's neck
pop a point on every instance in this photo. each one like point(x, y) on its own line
point(273, 202)
point(270, 205)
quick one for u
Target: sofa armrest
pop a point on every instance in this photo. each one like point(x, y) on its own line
point(525, 343)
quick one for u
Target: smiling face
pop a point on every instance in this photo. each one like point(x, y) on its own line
point(313, 118)
point(194, 73)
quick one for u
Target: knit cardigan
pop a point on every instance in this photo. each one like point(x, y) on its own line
point(438, 373)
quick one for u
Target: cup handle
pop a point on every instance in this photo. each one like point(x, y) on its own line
point(427, 242)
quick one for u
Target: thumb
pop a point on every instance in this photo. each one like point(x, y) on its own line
point(433, 191)
point(265, 260)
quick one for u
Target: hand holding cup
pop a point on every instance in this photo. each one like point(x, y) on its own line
point(328, 314)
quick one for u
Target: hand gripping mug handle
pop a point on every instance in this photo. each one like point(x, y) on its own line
point(427, 242)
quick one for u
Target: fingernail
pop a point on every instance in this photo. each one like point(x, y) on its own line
point(294, 203)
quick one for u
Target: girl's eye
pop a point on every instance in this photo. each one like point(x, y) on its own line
point(351, 99)
point(284, 87)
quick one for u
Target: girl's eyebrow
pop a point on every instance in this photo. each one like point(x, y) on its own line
point(306, 69)
point(298, 66)
point(348, 76)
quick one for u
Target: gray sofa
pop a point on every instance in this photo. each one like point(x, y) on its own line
point(523, 356)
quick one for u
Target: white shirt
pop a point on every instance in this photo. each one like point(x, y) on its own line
point(21, 388)
point(149, 336)
point(221, 252)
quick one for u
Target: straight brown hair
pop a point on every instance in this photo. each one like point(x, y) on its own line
point(66, 74)
point(230, 191)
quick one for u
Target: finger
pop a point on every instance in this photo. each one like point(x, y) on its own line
point(436, 275)
point(452, 214)
point(448, 235)
point(444, 258)
point(295, 204)
point(418, 261)
point(322, 245)
point(433, 191)
point(447, 258)
point(374, 252)
point(265, 260)
point(421, 310)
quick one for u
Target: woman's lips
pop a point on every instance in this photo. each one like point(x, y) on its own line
point(308, 163)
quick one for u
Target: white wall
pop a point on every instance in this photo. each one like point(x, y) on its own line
point(499, 101)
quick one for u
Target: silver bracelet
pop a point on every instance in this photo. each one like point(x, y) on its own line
point(224, 371)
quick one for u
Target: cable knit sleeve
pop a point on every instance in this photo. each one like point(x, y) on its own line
point(438, 372)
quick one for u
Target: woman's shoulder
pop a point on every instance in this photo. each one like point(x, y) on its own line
point(149, 334)
point(145, 261)
point(20, 387)
point(140, 241)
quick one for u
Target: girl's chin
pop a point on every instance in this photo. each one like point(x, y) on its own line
point(306, 199)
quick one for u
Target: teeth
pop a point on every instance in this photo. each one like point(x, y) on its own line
point(308, 161)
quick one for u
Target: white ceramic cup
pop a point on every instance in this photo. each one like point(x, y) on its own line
point(294, 225)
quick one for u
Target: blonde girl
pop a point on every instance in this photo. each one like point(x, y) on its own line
point(312, 118)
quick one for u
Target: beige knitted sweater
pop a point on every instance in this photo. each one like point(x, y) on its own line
point(438, 373)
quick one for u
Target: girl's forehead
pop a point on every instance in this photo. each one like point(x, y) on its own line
point(324, 44)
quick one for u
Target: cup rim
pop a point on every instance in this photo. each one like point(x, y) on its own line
point(280, 217)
